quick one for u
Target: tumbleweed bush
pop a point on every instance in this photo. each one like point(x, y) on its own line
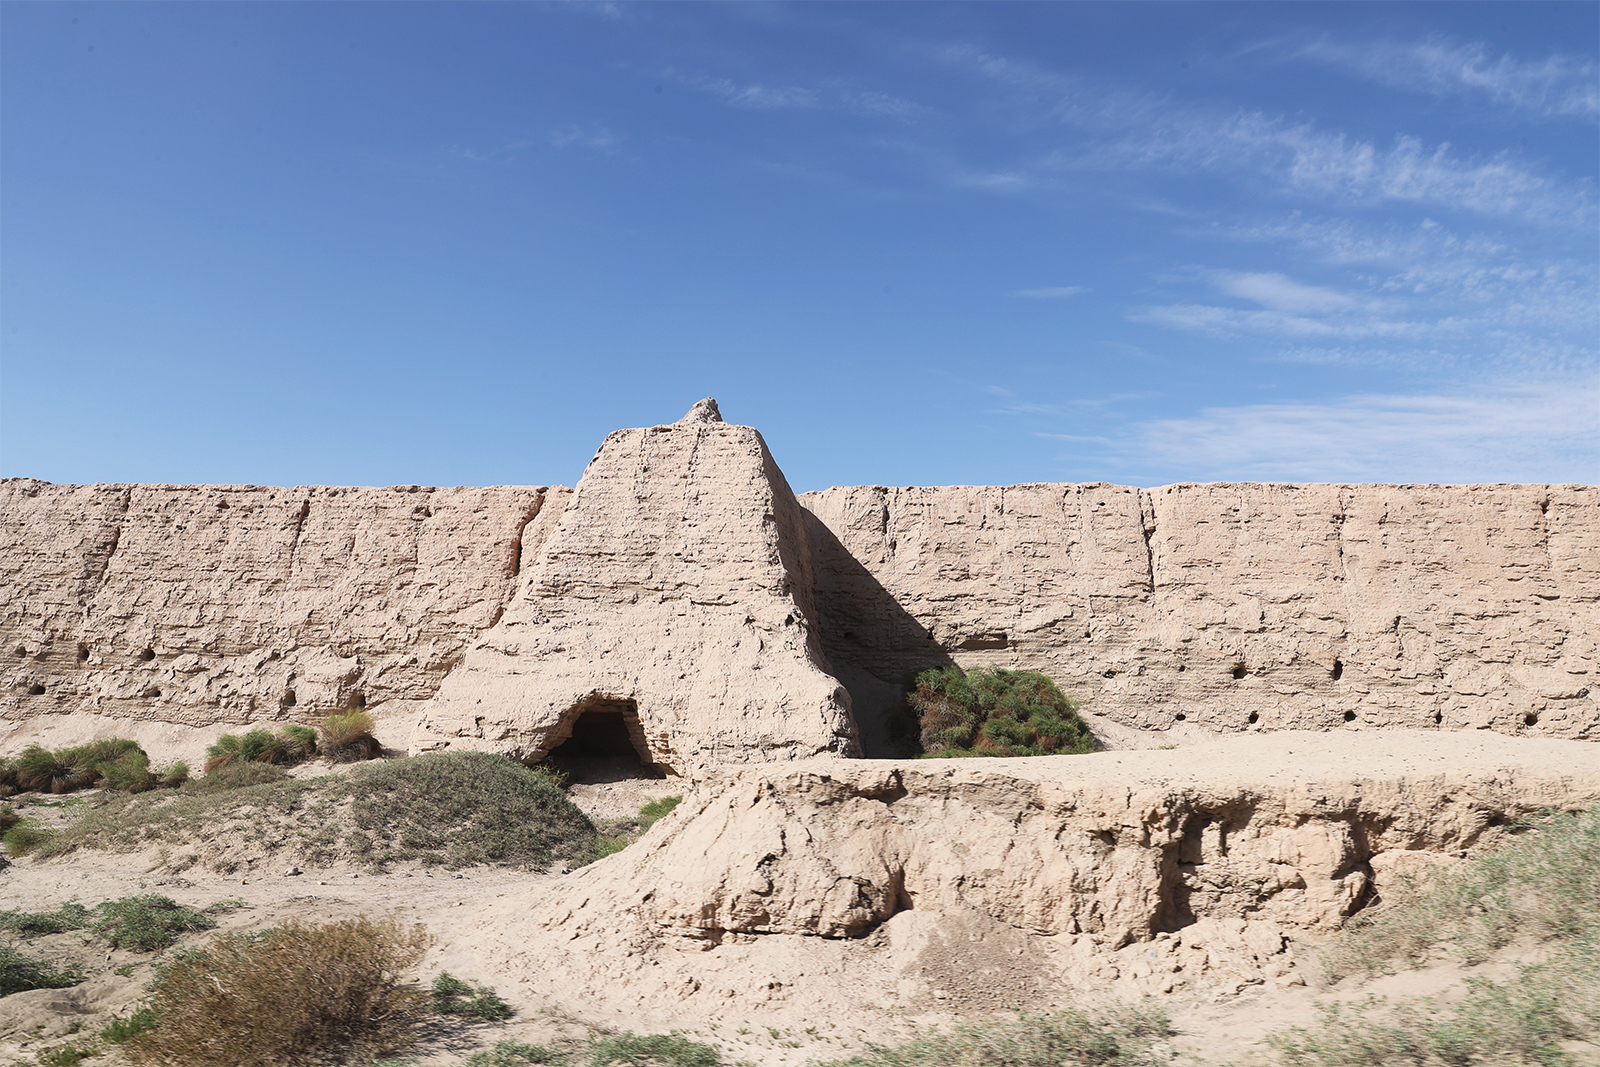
point(297, 994)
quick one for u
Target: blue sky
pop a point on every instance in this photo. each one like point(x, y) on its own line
point(913, 243)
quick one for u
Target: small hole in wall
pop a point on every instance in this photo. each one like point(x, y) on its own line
point(222, 505)
point(357, 700)
point(1238, 672)
point(151, 693)
point(1338, 671)
point(148, 654)
point(1253, 719)
point(1438, 717)
point(1530, 719)
point(1109, 672)
point(1349, 716)
point(288, 698)
point(21, 651)
point(36, 691)
point(1180, 716)
point(1181, 668)
point(83, 653)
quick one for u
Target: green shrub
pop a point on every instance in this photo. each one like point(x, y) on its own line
point(27, 835)
point(299, 742)
point(292, 995)
point(146, 923)
point(257, 746)
point(347, 736)
point(70, 916)
point(63, 1055)
point(8, 778)
point(19, 973)
point(8, 817)
point(113, 762)
point(452, 996)
point(1122, 1037)
point(510, 1053)
point(652, 1050)
point(120, 1029)
point(174, 776)
point(460, 808)
point(996, 712)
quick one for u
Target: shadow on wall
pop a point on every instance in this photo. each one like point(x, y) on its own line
point(873, 644)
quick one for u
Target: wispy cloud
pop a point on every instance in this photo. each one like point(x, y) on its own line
point(752, 95)
point(1558, 85)
point(597, 139)
point(1546, 431)
point(1052, 292)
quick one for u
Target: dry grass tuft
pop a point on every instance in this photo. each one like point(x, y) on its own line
point(293, 995)
point(347, 736)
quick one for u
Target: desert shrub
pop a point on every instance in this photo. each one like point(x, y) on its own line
point(652, 1050)
point(28, 835)
point(452, 996)
point(1121, 1037)
point(996, 712)
point(511, 1053)
point(113, 763)
point(19, 973)
point(120, 1029)
point(146, 923)
point(461, 808)
point(174, 776)
point(232, 776)
point(70, 916)
point(8, 817)
point(292, 995)
point(290, 745)
point(299, 742)
point(8, 777)
point(64, 1055)
point(347, 736)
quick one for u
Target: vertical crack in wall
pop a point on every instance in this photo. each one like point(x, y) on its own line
point(294, 539)
point(1147, 528)
point(93, 585)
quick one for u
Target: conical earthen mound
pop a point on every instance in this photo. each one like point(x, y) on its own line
point(672, 601)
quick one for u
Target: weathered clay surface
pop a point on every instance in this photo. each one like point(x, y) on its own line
point(1156, 870)
point(225, 604)
point(676, 588)
point(1228, 607)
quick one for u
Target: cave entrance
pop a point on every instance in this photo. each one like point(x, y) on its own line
point(606, 743)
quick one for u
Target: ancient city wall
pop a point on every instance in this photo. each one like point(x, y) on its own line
point(686, 577)
point(1230, 606)
point(227, 604)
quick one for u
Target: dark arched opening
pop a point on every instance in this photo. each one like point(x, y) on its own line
point(605, 743)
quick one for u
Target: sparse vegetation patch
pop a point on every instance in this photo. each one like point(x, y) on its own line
point(1124, 1037)
point(453, 809)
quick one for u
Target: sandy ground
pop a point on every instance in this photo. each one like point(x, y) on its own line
point(790, 1019)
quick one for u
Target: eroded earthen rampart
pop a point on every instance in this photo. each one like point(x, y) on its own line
point(684, 580)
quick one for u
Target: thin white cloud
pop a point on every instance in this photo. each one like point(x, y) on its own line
point(1052, 292)
point(1558, 85)
point(597, 139)
point(1545, 431)
point(1279, 293)
point(759, 96)
point(1304, 161)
